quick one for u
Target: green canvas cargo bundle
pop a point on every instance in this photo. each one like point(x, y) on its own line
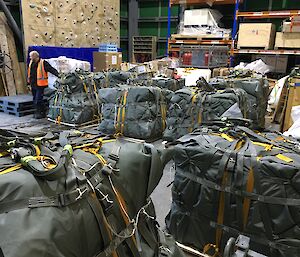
point(138, 112)
point(231, 182)
point(79, 194)
point(228, 103)
point(161, 82)
point(75, 100)
point(115, 78)
point(219, 83)
point(184, 113)
point(190, 107)
point(257, 90)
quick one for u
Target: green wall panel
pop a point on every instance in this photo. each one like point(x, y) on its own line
point(148, 29)
point(124, 29)
point(263, 5)
point(149, 9)
point(124, 8)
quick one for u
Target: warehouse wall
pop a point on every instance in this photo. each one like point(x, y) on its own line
point(71, 22)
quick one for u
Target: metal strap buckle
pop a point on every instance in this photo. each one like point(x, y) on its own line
point(80, 193)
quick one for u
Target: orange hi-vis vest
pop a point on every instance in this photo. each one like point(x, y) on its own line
point(42, 75)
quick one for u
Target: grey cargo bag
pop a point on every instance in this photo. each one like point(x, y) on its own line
point(138, 112)
point(231, 182)
point(79, 194)
point(75, 101)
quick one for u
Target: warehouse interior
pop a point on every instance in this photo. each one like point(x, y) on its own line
point(142, 128)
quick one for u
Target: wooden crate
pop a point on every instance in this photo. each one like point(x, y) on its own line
point(287, 40)
point(258, 35)
point(293, 100)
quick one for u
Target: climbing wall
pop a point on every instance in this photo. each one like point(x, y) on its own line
point(71, 23)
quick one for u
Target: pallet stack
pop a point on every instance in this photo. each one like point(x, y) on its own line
point(12, 80)
point(19, 106)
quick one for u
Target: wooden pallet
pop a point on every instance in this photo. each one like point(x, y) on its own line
point(198, 37)
point(279, 112)
point(253, 47)
point(18, 113)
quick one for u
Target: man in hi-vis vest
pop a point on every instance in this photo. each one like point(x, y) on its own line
point(37, 78)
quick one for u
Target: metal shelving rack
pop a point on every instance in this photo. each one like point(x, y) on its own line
point(259, 15)
point(246, 15)
point(177, 44)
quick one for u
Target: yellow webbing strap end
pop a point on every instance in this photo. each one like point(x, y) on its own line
point(11, 169)
point(2, 154)
point(228, 138)
point(284, 158)
point(11, 143)
point(27, 159)
point(69, 149)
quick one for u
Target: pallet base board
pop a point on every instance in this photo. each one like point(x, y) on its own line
point(18, 114)
point(93, 122)
point(253, 47)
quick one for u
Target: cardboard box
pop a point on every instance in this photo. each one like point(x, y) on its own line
point(221, 72)
point(291, 27)
point(256, 35)
point(287, 40)
point(105, 61)
point(279, 63)
point(202, 17)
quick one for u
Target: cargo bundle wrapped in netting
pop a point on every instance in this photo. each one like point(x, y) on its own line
point(184, 113)
point(79, 194)
point(228, 103)
point(232, 181)
point(114, 78)
point(75, 101)
point(190, 107)
point(161, 82)
point(257, 90)
point(138, 112)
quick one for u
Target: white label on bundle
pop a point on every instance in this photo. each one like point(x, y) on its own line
point(141, 69)
point(114, 59)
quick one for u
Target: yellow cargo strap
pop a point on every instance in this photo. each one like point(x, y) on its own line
point(95, 151)
point(124, 212)
point(123, 111)
point(37, 150)
point(228, 138)
point(194, 100)
point(207, 250)
point(11, 169)
point(284, 158)
point(163, 116)
point(221, 209)
point(105, 221)
point(3, 154)
point(247, 201)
